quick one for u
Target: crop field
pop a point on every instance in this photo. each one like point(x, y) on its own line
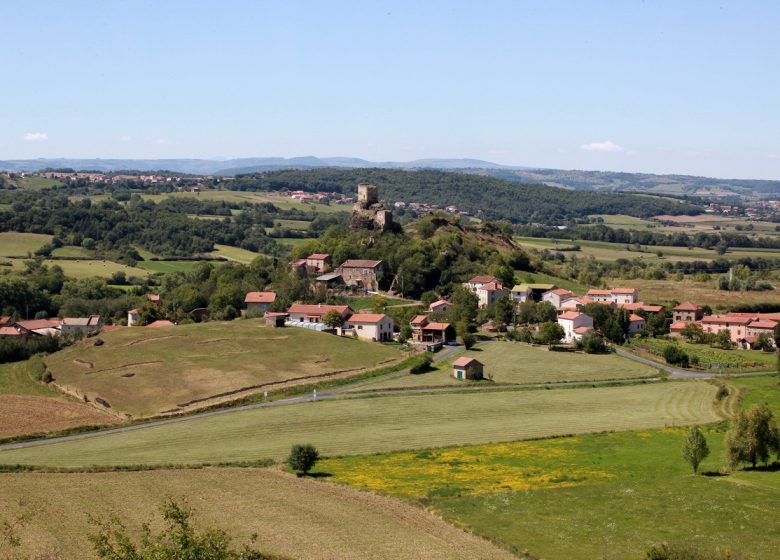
point(518, 363)
point(233, 254)
point(605, 251)
point(168, 266)
point(70, 251)
point(715, 359)
point(390, 423)
point(145, 372)
point(703, 293)
point(14, 244)
point(293, 517)
point(28, 407)
point(607, 495)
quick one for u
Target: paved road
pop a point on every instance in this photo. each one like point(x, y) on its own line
point(342, 392)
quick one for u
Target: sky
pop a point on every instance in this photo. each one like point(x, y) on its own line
point(671, 86)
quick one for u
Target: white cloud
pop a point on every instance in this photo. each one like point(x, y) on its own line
point(125, 138)
point(773, 156)
point(36, 137)
point(161, 141)
point(606, 146)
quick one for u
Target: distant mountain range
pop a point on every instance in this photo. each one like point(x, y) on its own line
point(571, 179)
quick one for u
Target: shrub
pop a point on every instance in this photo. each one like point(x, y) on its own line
point(422, 366)
point(469, 340)
point(676, 356)
point(302, 458)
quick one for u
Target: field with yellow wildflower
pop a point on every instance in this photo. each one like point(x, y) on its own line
point(610, 495)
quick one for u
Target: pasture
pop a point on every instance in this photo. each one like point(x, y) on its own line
point(236, 254)
point(146, 372)
point(293, 517)
point(73, 252)
point(519, 363)
point(610, 495)
point(276, 199)
point(15, 244)
point(29, 407)
point(90, 268)
point(703, 293)
point(167, 266)
point(389, 423)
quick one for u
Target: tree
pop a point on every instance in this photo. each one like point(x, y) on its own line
point(592, 343)
point(333, 319)
point(693, 332)
point(695, 448)
point(752, 437)
point(302, 458)
point(468, 339)
point(676, 356)
point(723, 339)
point(178, 540)
point(550, 333)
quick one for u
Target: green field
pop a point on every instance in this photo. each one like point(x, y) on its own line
point(72, 252)
point(14, 244)
point(168, 266)
point(278, 200)
point(383, 424)
point(592, 496)
point(519, 363)
point(602, 250)
point(33, 182)
point(145, 372)
point(18, 378)
point(293, 517)
point(89, 268)
point(703, 293)
point(233, 254)
point(715, 359)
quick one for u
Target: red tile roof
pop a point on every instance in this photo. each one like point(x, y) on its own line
point(679, 325)
point(5, 319)
point(570, 315)
point(9, 331)
point(635, 317)
point(623, 290)
point(366, 318)
point(260, 297)
point(436, 327)
point(581, 330)
point(318, 257)
point(419, 320)
point(687, 306)
point(298, 263)
point(38, 324)
point(464, 361)
point(482, 280)
point(763, 324)
point(639, 306)
point(599, 292)
point(153, 297)
point(439, 303)
point(492, 287)
point(560, 292)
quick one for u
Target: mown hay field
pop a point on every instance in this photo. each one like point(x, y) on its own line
point(15, 244)
point(518, 363)
point(146, 372)
point(29, 407)
point(382, 424)
point(703, 293)
point(293, 517)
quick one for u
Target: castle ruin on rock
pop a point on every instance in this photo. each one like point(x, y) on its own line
point(368, 212)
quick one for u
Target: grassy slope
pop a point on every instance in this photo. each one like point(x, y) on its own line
point(18, 378)
point(703, 293)
point(296, 518)
point(178, 364)
point(168, 266)
point(509, 362)
point(13, 244)
point(382, 424)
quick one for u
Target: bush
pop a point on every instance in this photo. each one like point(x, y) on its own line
point(421, 367)
point(469, 340)
point(302, 458)
point(687, 552)
point(676, 356)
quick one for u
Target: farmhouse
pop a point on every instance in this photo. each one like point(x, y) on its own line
point(759, 327)
point(467, 368)
point(574, 303)
point(574, 325)
point(687, 312)
point(38, 327)
point(318, 262)
point(330, 280)
point(737, 326)
point(557, 296)
point(636, 324)
point(479, 281)
point(440, 306)
point(361, 273)
point(259, 302)
point(303, 313)
point(639, 306)
point(370, 326)
point(617, 295)
point(83, 325)
point(487, 288)
point(521, 293)
point(426, 331)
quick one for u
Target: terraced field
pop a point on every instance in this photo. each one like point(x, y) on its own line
point(293, 517)
point(383, 424)
point(146, 372)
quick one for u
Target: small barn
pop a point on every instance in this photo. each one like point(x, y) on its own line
point(467, 368)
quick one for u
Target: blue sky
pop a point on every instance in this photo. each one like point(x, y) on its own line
point(665, 87)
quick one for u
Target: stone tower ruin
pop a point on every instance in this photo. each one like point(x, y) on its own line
point(367, 212)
